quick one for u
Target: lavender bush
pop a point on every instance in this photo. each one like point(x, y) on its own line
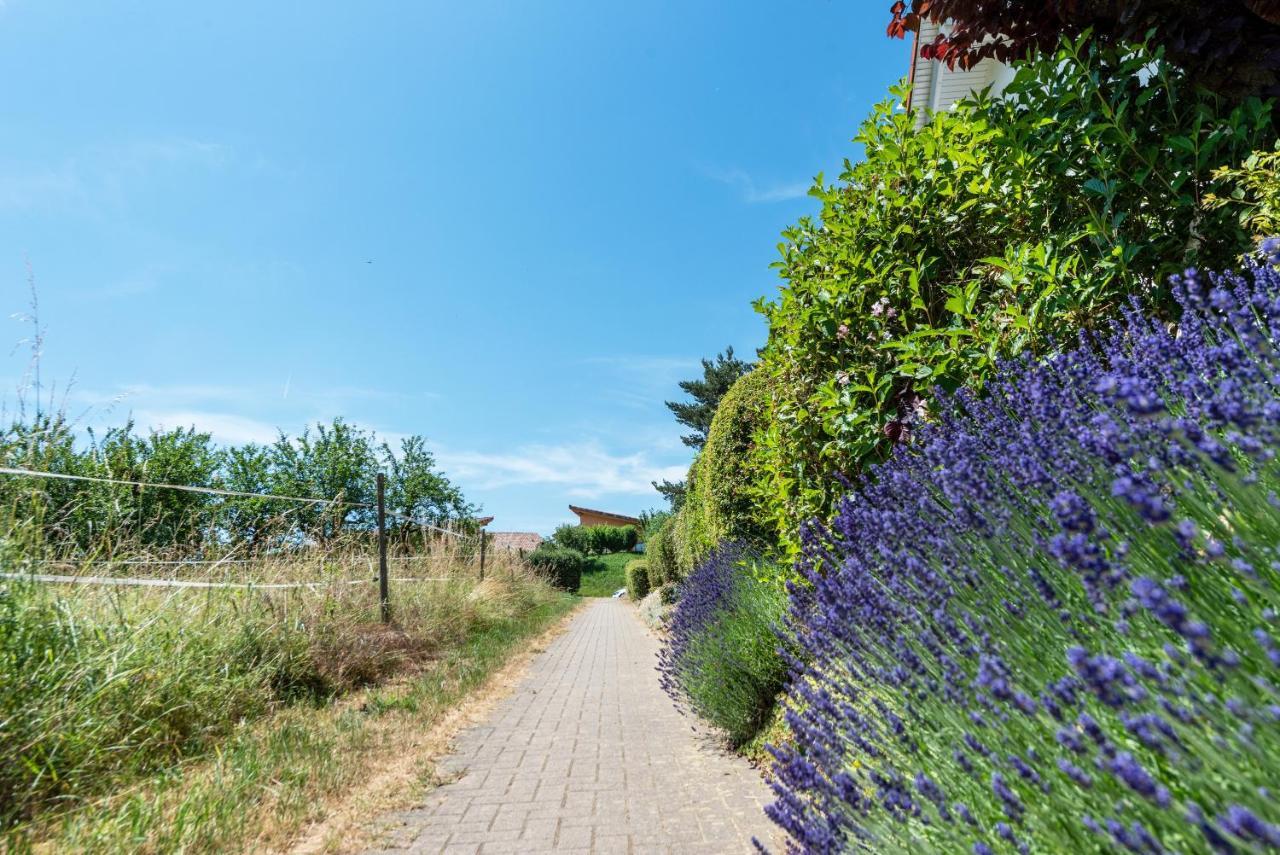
point(1052, 625)
point(721, 659)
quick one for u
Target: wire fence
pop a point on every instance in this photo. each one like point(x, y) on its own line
point(379, 575)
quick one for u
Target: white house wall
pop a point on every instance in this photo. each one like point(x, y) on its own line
point(938, 87)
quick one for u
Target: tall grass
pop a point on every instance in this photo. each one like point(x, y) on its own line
point(103, 689)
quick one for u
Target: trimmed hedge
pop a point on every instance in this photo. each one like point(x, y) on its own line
point(660, 553)
point(561, 565)
point(597, 539)
point(637, 580)
point(723, 500)
point(728, 474)
point(691, 541)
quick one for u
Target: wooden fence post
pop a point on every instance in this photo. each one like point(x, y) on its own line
point(482, 542)
point(384, 593)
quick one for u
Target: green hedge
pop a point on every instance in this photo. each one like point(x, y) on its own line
point(691, 540)
point(660, 554)
point(559, 564)
point(597, 539)
point(993, 229)
point(729, 500)
point(637, 580)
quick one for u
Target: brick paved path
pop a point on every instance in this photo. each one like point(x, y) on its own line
point(588, 755)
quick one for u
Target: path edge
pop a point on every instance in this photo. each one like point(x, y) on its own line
point(348, 828)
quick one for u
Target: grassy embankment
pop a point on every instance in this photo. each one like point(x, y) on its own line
point(135, 719)
point(604, 574)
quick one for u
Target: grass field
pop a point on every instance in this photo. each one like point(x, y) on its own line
point(161, 720)
point(604, 574)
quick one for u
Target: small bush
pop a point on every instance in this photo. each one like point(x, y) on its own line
point(560, 565)
point(660, 552)
point(638, 580)
point(721, 659)
point(612, 538)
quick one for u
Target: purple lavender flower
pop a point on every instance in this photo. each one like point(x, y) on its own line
point(1128, 770)
point(1062, 561)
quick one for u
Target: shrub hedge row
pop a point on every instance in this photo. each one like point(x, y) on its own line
point(597, 539)
point(723, 500)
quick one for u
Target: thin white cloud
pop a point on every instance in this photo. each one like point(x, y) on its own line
point(224, 427)
point(101, 175)
point(584, 471)
point(755, 193)
point(645, 381)
point(315, 402)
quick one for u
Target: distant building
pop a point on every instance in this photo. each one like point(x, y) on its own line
point(936, 87)
point(587, 516)
point(515, 541)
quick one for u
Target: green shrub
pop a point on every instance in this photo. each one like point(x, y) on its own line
point(572, 537)
point(637, 580)
point(1253, 192)
point(691, 540)
point(991, 229)
point(725, 492)
point(560, 565)
point(660, 553)
point(613, 538)
point(597, 539)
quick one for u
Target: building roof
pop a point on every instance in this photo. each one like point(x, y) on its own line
point(621, 518)
point(515, 540)
point(483, 521)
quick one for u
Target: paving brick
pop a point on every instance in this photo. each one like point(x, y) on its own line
point(588, 755)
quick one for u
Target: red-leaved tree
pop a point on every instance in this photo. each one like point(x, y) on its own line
point(1230, 46)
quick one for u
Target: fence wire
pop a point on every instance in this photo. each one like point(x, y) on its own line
point(54, 578)
point(125, 581)
point(237, 494)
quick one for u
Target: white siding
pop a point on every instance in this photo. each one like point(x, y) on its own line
point(957, 84)
point(938, 87)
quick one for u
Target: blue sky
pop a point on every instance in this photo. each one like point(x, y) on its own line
point(511, 227)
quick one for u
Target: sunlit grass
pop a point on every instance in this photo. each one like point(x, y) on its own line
point(604, 575)
point(200, 719)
